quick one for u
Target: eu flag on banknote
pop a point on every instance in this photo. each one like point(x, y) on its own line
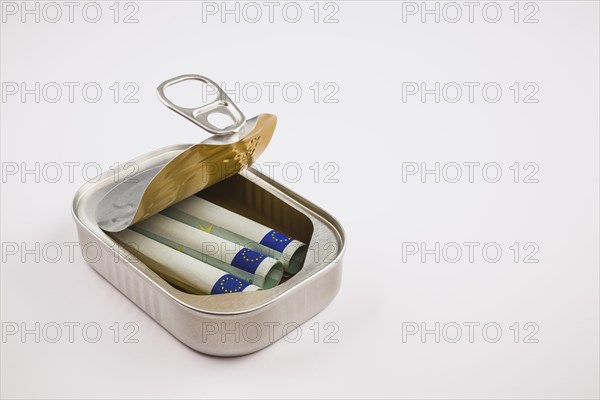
point(229, 284)
point(276, 240)
point(247, 260)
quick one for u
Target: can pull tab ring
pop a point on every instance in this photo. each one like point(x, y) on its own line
point(199, 116)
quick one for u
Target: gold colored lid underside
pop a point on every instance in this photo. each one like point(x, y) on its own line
point(201, 166)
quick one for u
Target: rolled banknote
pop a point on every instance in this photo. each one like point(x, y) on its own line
point(184, 270)
point(245, 263)
point(239, 229)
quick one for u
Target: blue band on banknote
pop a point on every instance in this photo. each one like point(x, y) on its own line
point(247, 260)
point(276, 241)
point(229, 284)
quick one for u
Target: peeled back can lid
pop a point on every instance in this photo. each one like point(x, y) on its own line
point(228, 151)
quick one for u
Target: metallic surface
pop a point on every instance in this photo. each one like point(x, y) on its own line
point(199, 115)
point(223, 325)
point(192, 170)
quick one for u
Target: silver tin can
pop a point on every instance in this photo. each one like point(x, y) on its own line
point(228, 324)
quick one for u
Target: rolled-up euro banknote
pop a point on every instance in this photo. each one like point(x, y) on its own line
point(237, 228)
point(263, 271)
point(184, 270)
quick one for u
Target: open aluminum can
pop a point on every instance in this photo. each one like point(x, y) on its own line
point(218, 170)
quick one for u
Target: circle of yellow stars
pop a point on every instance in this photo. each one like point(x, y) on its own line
point(249, 259)
point(230, 278)
point(273, 233)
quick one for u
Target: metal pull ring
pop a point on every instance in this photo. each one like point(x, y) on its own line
point(199, 116)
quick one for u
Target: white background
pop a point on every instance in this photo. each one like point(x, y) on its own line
point(370, 134)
